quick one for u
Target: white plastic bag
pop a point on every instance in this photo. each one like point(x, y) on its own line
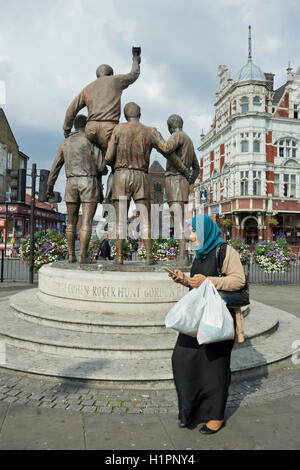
point(216, 323)
point(185, 315)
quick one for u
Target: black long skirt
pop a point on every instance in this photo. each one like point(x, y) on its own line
point(202, 377)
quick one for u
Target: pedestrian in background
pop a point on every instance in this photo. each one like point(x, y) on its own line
point(105, 249)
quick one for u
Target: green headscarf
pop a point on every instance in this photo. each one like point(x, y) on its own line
point(208, 234)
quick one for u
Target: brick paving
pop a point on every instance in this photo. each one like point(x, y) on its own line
point(73, 396)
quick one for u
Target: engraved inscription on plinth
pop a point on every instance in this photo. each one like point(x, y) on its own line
point(112, 290)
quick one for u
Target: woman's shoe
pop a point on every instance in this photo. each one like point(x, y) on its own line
point(206, 430)
point(182, 425)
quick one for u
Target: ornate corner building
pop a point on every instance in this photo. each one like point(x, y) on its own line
point(250, 159)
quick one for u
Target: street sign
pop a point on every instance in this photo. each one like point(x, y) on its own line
point(203, 196)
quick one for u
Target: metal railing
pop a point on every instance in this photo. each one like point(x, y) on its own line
point(257, 276)
point(12, 269)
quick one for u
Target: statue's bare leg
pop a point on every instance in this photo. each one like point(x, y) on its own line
point(120, 230)
point(88, 212)
point(73, 212)
point(108, 194)
point(178, 217)
point(145, 218)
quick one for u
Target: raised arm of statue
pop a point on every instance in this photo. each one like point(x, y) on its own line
point(167, 150)
point(77, 104)
point(133, 75)
point(54, 172)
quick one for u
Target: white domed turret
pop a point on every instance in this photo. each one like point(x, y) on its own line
point(250, 71)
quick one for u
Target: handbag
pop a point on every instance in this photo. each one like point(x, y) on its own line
point(238, 298)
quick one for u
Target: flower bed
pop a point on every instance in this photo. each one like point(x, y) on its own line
point(49, 246)
point(162, 250)
point(274, 256)
point(242, 248)
point(126, 250)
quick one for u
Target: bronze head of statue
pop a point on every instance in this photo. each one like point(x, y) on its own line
point(132, 111)
point(80, 122)
point(103, 70)
point(175, 122)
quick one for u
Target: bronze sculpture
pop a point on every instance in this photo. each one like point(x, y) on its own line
point(103, 100)
point(84, 166)
point(177, 186)
point(129, 152)
point(127, 147)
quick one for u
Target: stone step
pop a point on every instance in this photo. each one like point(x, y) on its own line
point(24, 334)
point(29, 307)
point(139, 360)
point(21, 333)
point(249, 361)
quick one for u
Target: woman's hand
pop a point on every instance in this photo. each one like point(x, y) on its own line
point(177, 277)
point(196, 280)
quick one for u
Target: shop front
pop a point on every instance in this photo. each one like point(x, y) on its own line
point(289, 226)
point(18, 224)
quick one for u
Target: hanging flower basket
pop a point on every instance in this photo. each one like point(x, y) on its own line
point(227, 222)
point(273, 222)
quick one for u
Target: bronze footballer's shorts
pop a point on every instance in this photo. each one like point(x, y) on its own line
point(99, 132)
point(82, 189)
point(177, 188)
point(131, 183)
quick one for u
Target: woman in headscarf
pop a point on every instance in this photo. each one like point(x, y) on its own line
point(202, 373)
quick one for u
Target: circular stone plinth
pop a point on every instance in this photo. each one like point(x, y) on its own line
point(129, 292)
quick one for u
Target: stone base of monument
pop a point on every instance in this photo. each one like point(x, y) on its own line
point(58, 331)
point(132, 288)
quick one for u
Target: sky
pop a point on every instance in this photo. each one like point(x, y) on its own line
point(50, 50)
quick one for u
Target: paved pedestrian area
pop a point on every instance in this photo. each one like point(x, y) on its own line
point(22, 389)
point(47, 413)
point(42, 414)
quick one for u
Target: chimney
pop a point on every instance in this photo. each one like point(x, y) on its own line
point(270, 80)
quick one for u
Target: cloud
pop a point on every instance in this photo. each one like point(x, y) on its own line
point(271, 45)
point(50, 50)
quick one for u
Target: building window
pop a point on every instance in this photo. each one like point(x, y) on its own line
point(287, 148)
point(22, 164)
point(256, 103)
point(234, 106)
point(157, 187)
point(2, 187)
point(215, 192)
point(244, 182)
point(295, 111)
point(289, 185)
point(244, 104)
point(245, 146)
point(157, 191)
point(9, 160)
point(276, 184)
point(225, 188)
point(256, 183)
point(256, 146)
